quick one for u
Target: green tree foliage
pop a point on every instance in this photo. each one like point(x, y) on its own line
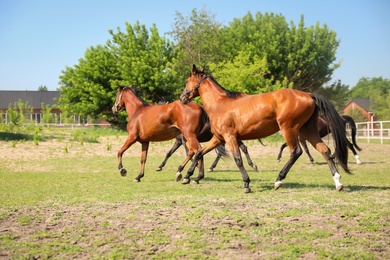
point(337, 93)
point(42, 88)
point(377, 90)
point(297, 56)
point(196, 40)
point(47, 116)
point(243, 74)
point(132, 57)
point(85, 88)
point(19, 113)
point(145, 60)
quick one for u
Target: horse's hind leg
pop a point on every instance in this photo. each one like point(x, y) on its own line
point(281, 151)
point(324, 150)
point(144, 155)
point(175, 146)
point(355, 154)
point(244, 149)
point(305, 148)
point(295, 152)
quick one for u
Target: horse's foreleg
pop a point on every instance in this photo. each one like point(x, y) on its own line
point(190, 154)
point(213, 143)
point(215, 161)
point(144, 155)
point(175, 146)
point(201, 171)
point(129, 141)
point(244, 149)
point(231, 142)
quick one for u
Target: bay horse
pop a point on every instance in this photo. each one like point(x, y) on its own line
point(237, 116)
point(150, 122)
point(324, 130)
point(205, 136)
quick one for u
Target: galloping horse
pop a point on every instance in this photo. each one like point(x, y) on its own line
point(324, 130)
point(234, 116)
point(205, 136)
point(149, 122)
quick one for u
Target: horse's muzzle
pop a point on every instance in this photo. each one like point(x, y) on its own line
point(114, 110)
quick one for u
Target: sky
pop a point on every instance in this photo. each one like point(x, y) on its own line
point(40, 38)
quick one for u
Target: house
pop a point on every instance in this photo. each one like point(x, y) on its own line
point(33, 99)
point(361, 105)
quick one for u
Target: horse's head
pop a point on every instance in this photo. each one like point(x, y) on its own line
point(119, 103)
point(192, 84)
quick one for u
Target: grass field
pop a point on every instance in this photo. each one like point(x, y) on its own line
point(62, 197)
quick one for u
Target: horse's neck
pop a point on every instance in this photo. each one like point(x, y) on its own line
point(132, 104)
point(212, 96)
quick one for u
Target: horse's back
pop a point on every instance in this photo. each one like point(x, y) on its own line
point(268, 112)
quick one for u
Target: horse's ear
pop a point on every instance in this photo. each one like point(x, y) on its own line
point(202, 70)
point(119, 86)
point(194, 69)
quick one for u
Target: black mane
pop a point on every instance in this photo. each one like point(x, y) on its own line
point(134, 90)
point(231, 94)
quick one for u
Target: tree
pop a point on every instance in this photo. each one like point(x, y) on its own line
point(337, 93)
point(196, 40)
point(42, 88)
point(134, 57)
point(145, 60)
point(296, 56)
point(243, 74)
point(377, 90)
point(85, 88)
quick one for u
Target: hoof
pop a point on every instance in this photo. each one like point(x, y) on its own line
point(178, 176)
point(195, 182)
point(210, 170)
point(136, 180)
point(185, 181)
point(339, 187)
point(255, 168)
point(247, 190)
point(159, 169)
point(123, 172)
point(358, 162)
point(278, 184)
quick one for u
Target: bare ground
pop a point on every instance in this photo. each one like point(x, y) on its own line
point(130, 223)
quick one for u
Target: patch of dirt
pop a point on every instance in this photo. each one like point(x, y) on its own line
point(97, 227)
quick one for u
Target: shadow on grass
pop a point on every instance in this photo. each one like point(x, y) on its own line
point(350, 163)
point(6, 136)
point(295, 185)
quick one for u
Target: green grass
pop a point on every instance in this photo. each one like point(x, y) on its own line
point(80, 207)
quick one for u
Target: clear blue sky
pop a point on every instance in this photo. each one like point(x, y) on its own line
point(39, 38)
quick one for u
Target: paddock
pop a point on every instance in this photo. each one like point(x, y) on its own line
point(62, 198)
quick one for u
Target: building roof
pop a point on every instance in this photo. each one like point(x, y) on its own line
point(362, 102)
point(34, 98)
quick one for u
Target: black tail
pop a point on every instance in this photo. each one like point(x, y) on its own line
point(352, 124)
point(337, 128)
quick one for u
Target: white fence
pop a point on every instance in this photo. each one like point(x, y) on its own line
point(375, 130)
